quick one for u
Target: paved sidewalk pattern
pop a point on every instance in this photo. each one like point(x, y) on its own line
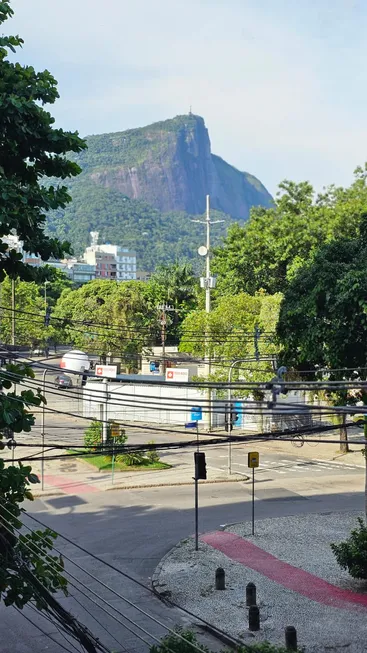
point(291, 577)
point(297, 578)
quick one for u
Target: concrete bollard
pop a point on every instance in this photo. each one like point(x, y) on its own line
point(253, 618)
point(290, 638)
point(250, 594)
point(220, 579)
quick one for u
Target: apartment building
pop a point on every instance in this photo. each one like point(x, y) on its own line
point(111, 261)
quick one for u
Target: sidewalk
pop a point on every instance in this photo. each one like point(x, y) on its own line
point(73, 476)
point(70, 475)
point(297, 579)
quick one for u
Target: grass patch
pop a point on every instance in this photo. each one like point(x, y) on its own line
point(104, 463)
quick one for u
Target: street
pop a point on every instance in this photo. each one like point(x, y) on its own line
point(132, 529)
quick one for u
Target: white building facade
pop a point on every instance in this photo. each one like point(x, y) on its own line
point(124, 261)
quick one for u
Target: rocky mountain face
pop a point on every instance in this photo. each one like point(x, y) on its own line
point(170, 166)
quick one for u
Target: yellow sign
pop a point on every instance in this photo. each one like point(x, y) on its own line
point(253, 459)
point(115, 430)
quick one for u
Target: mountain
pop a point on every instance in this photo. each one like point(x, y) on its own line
point(139, 188)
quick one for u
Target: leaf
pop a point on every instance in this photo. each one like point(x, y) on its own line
point(33, 478)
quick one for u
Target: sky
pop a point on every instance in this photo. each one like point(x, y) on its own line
point(281, 84)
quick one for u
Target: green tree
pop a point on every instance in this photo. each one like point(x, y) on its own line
point(57, 281)
point(29, 317)
point(106, 316)
point(176, 286)
point(231, 327)
point(31, 150)
point(323, 317)
point(269, 249)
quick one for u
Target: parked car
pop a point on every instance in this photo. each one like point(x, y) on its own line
point(63, 381)
point(38, 351)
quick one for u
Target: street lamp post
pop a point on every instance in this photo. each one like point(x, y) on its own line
point(207, 282)
point(43, 432)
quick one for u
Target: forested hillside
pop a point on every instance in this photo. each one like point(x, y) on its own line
point(140, 188)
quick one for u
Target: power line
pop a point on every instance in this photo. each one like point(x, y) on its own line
point(120, 572)
point(105, 586)
point(21, 612)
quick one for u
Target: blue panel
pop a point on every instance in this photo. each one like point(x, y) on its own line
point(238, 407)
point(196, 413)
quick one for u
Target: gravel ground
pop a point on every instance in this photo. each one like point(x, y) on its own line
point(303, 542)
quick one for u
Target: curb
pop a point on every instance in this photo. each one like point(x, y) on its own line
point(177, 484)
point(164, 594)
point(59, 493)
point(51, 493)
point(161, 590)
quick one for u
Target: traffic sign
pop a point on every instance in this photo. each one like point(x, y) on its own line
point(115, 430)
point(196, 413)
point(253, 459)
point(177, 374)
point(109, 371)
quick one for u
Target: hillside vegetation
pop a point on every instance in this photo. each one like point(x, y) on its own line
point(141, 187)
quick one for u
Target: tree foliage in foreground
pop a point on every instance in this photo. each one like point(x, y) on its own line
point(30, 150)
point(274, 243)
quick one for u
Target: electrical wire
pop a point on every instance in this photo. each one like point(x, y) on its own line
point(4, 521)
point(112, 567)
point(41, 630)
point(245, 385)
point(118, 327)
point(284, 436)
point(48, 618)
point(105, 586)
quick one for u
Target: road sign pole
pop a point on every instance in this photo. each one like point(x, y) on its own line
point(253, 501)
point(253, 461)
point(197, 434)
point(113, 462)
point(196, 513)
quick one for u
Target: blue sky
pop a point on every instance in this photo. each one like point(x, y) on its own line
point(282, 84)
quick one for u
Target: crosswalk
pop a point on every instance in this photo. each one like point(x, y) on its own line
point(301, 466)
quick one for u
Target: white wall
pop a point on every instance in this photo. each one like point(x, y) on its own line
point(133, 403)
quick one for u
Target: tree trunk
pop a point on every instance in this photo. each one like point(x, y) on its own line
point(344, 448)
point(365, 462)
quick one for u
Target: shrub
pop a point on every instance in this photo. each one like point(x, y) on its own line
point(152, 454)
point(175, 644)
point(131, 459)
point(352, 554)
point(93, 436)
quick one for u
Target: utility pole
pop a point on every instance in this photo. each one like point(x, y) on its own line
point(45, 284)
point(208, 283)
point(13, 311)
point(163, 308)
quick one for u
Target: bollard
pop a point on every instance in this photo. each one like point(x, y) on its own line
point(220, 579)
point(290, 638)
point(250, 594)
point(253, 618)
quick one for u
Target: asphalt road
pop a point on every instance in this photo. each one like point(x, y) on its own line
point(133, 529)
